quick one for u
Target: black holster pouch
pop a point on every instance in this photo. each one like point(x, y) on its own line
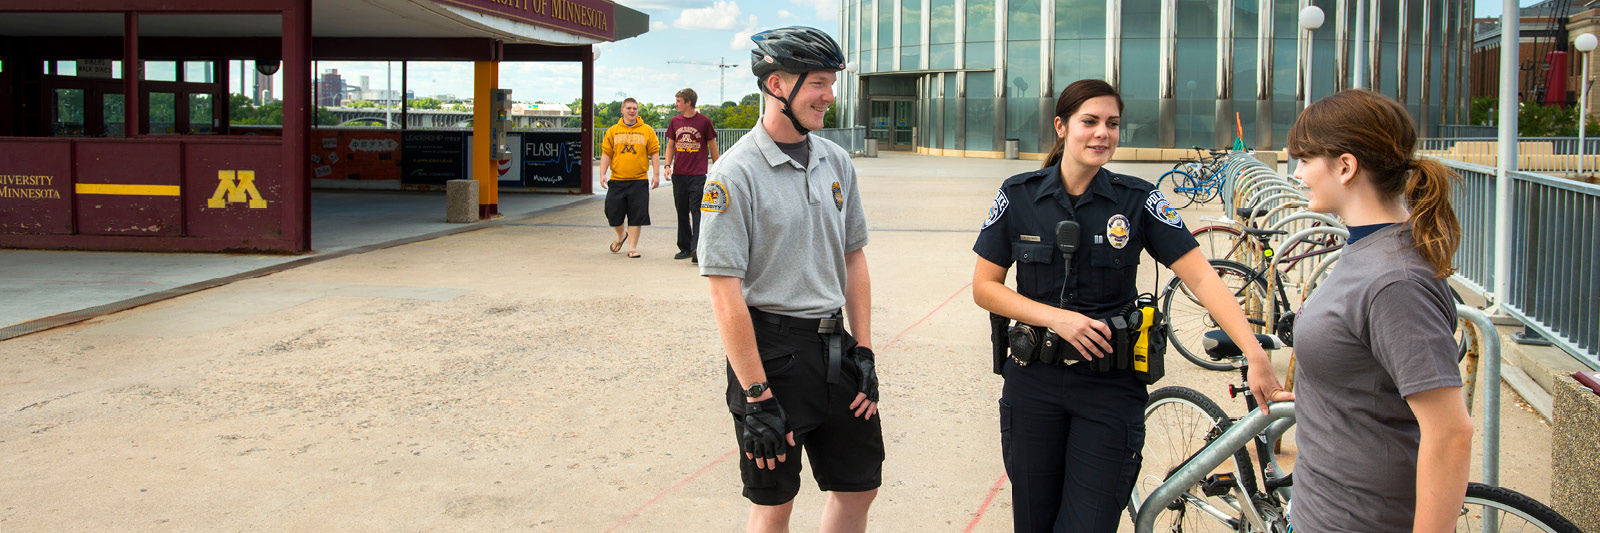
point(999, 340)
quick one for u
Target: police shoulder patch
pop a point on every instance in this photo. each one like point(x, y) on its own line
point(838, 196)
point(715, 198)
point(999, 208)
point(1160, 208)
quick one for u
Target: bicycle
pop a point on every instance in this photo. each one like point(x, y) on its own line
point(1259, 291)
point(1200, 494)
point(1197, 179)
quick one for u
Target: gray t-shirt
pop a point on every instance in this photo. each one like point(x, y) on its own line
point(1378, 330)
point(782, 227)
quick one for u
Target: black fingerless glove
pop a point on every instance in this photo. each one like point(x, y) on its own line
point(765, 429)
point(868, 371)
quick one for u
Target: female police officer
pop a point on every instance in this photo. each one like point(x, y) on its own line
point(1071, 421)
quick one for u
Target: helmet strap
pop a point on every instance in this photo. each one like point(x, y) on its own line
point(787, 112)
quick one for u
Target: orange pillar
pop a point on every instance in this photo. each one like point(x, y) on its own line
point(486, 77)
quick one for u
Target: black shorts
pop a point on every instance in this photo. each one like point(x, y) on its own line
point(845, 451)
point(630, 199)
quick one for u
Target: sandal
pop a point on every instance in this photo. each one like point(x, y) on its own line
point(633, 255)
point(616, 246)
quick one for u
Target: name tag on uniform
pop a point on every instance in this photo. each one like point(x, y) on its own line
point(1030, 238)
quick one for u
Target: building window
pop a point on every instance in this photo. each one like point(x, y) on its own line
point(980, 111)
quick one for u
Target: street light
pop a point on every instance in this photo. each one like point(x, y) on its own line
point(1310, 19)
point(1585, 44)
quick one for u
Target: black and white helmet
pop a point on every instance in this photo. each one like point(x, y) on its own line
point(796, 50)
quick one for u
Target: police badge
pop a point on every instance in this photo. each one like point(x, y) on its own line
point(1117, 231)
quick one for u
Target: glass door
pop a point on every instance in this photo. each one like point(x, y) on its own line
point(879, 128)
point(903, 122)
point(114, 115)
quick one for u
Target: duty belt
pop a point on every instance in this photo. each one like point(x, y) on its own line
point(832, 327)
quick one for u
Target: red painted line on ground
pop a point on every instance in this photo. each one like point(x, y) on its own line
point(925, 317)
point(658, 497)
point(993, 491)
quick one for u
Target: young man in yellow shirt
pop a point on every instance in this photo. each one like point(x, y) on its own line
point(627, 156)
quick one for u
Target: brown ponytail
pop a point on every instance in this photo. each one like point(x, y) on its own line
point(1381, 135)
point(1068, 103)
point(1433, 220)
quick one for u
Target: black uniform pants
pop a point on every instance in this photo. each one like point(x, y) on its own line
point(1071, 439)
point(845, 451)
point(687, 190)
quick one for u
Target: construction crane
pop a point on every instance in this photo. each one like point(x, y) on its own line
point(722, 77)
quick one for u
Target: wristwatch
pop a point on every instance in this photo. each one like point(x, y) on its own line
point(757, 389)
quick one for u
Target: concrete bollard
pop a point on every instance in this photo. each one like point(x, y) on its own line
point(1574, 450)
point(461, 201)
point(1012, 146)
point(872, 148)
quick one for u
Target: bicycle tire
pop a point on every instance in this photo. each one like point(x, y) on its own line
point(1213, 191)
point(1220, 242)
point(1512, 506)
point(1188, 321)
point(1179, 422)
point(1195, 188)
point(1178, 179)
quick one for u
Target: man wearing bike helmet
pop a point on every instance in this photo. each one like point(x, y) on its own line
point(781, 238)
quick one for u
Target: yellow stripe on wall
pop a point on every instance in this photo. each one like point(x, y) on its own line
point(127, 190)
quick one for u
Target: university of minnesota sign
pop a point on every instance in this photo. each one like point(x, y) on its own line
point(590, 18)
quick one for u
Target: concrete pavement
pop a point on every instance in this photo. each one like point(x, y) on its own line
point(515, 377)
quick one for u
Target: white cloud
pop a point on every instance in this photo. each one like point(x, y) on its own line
point(722, 15)
point(784, 13)
point(657, 25)
point(826, 9)
point(741, 39)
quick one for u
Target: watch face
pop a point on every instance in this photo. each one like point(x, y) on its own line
point(756, 389)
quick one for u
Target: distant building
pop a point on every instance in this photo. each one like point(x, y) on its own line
point(330, 88)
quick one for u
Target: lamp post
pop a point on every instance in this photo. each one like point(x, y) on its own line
point(1310, 19)
point(1585, 43)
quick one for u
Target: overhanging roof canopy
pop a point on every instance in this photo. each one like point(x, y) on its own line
point(538, 22)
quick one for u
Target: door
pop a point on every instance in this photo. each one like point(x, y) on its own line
point(879, 128)
point(903, 123)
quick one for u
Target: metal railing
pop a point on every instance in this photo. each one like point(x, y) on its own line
point(851, 139)
point(1552, 285)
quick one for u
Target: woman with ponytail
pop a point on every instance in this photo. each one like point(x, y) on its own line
point(1072, 409)
point(1383, 431)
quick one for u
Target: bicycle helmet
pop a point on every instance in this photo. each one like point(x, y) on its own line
point(796, 50)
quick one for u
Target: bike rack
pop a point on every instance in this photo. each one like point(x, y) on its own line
point(1490, 338)
point(1201, 465)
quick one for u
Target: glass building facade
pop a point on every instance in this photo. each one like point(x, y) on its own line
point(960, 77)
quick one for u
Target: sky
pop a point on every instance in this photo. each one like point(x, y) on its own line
point(703, 31)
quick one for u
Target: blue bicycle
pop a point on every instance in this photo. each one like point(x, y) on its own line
point(1197, 180)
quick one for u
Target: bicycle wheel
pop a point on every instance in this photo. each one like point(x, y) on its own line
point(1221, 242)
point(1515, 512)
point(1188, 321)
point(1195, 188)
point(1213, 190)
point(1178, 422)
point(1178, 179)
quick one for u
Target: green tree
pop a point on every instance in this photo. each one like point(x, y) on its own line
point(361, 104)
point(424, 103)
point(831, 119)
point(752, 99)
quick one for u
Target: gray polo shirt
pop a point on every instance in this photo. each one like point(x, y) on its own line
point(1378, 330)
point(783, 228)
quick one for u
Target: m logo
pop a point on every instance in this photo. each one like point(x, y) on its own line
point(232, 186)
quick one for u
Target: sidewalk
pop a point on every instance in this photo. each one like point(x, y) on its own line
point(65, 286)
point(516, 377)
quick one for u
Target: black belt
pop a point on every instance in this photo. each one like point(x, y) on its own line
point(831, 326)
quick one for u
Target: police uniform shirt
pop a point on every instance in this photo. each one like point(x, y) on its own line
point(1118, 216)
point(782, 226)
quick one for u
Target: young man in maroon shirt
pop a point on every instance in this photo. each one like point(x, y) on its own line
point(690, 139)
